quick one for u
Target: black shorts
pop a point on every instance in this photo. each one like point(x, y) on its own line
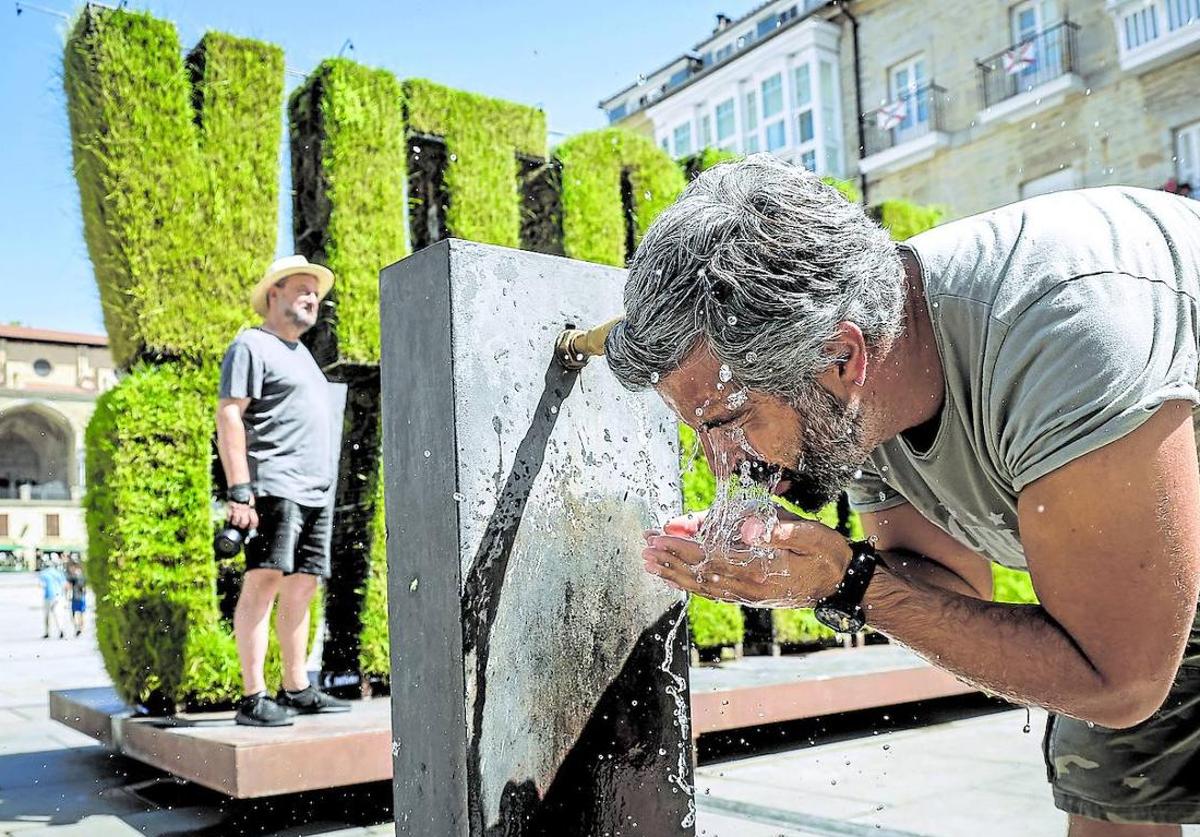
point(291, 538)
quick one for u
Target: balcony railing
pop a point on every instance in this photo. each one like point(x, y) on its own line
point(912, 115)
point(1029, 64)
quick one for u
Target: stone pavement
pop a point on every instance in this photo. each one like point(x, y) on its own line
point(980, 774)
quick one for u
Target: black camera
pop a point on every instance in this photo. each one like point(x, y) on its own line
point(230, 540)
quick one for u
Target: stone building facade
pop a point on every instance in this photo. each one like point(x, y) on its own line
point(49, 382)
point(1005, 101)
point(967, 105)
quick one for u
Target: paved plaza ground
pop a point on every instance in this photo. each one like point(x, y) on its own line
point(964, 770)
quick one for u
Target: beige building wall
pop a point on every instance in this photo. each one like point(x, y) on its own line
point(49, 382)
point(1118, 129)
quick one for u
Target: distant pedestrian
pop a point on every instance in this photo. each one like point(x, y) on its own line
point(54, 585)
point(78, 582)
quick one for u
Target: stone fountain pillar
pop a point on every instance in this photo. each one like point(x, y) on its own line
point(539, 676)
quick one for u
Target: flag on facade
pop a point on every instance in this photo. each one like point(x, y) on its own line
point(1019, 58)
point(891, 115)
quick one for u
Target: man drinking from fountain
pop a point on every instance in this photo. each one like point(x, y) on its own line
point(1014, 387)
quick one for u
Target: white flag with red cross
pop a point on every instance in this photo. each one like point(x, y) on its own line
point(891, 115)
point(1020, 58)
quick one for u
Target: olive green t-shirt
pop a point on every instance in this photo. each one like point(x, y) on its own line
point(1062, 322)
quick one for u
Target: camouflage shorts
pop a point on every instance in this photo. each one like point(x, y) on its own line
point(1149, 773)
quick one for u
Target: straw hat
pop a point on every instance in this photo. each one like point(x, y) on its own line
point(283, 268)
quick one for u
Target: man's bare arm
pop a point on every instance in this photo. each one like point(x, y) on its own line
point(231, 440)
point(916, 549)
point(231, 447)
point(1113, 544)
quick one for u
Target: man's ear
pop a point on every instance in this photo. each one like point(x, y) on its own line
point(850, 369)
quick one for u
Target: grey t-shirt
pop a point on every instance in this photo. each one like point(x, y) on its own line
point(1062, 323)
point(288, 421)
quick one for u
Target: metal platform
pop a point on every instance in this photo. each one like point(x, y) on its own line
point(352, 748)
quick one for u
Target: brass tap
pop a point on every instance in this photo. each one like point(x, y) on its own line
point(574, 347)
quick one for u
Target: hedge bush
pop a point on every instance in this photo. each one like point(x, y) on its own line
point(593, 214)
point(348, 176)
point(150, 557)
point(1013, 586)
point(177, 168)
point(904, 220)
point(483, 137)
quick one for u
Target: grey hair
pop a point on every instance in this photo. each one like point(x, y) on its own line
point(761, 260)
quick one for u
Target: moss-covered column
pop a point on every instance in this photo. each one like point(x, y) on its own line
point(176, 162)
point(348, 176)
point(594, 166)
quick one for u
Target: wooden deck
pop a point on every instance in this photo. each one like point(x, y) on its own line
point(347, 749)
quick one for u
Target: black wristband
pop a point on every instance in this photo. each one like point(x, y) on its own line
point(240, 493)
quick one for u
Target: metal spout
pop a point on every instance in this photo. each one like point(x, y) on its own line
point(575, 347)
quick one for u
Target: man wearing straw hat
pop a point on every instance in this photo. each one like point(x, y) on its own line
point(273, 434)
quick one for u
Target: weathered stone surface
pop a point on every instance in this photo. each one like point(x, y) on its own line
point(538, 674)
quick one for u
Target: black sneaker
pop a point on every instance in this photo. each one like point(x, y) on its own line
point(311, 701)
point(260, 711)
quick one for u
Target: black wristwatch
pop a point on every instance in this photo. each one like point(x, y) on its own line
point(843, 611)
point(240, 493)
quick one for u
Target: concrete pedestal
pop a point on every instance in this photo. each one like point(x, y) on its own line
point(539, 676)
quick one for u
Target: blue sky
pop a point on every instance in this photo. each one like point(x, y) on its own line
point(562, 56)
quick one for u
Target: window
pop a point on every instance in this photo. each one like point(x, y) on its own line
point(679, 77)
point(745, 40)
point(726, 122)
point(829, 119)
point(776, 136)
point(724, 52)
point(752, 144)
point(906, 82)
point(1141, 27)
point(43, 367)
point(1181, 13)
point(804, 127)
point(705, 131)
point(666, 145)
point(1033, 21)
point(3, 525)
point(809, 160)
point(1053, 182)
point(751, 115)
point(683, 139)
point(52, 526)
point(707, 58)
point(617, 113)
point(801, 87)
point(772, 96)
point(767, 25)
point(1187, 155)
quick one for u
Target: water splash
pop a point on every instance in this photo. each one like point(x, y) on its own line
point(738, 497)
point(677, 689)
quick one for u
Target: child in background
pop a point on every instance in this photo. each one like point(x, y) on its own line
point(78, 582)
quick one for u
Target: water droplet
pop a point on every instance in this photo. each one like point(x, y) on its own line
point(412, 588)
point(699, 411)
point(858, 474)
point(428, 454)
point(751, 357)
point(453, 158)
point(887, 746)
point(458, 497)
point(1041, 508)
point(731, 319)
point(882, 496)
point(641, 79)
point(661, 751)
point(725, 373)
point(654, 377)
point(553, 410)
point(647, 194)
